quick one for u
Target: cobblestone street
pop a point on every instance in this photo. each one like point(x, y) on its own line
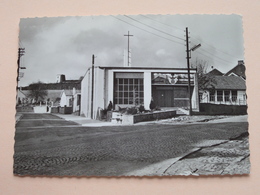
point(48, 145)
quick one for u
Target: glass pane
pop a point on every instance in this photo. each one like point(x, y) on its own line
point(125, 94)
point(125, 81)
point(120, 94)
point(131, 81)
point(120, 101)
point(120, 81)
point(125, 101)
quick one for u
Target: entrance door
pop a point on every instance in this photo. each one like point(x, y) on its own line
point(163, 96)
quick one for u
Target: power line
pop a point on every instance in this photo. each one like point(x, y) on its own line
point(217, 59)
point(210, 45)
point(154, 28)
point(162, 23)
point(146, 30)
point(215, 55)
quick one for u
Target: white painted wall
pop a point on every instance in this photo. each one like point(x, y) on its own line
point(104, 88)
point(110, 86)
point(86, 94)
point(195, 95)
point(147, 89)
point(63, 99)
point(98, 91)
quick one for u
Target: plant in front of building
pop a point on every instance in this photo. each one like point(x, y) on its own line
point(37, 92)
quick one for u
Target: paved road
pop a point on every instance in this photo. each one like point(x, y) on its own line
point(48, 145)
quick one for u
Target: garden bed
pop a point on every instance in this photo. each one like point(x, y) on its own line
point(151, 116)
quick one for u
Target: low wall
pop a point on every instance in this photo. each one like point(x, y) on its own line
point(65, 110)
point(40, 109)
point(24, 109)
point(221, 109)
point(54, 109)
point(131, 119)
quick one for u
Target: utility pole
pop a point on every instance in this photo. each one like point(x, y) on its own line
point(128, 50)
point(92, 86)
point(21, 52)
point(188, 51)
point(188, 64)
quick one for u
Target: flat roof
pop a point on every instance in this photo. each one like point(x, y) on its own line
point(145, 68)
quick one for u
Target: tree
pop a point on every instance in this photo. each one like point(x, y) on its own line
point(37, 92)
point(206, 81)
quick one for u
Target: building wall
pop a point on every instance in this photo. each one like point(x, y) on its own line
point(104, 88)
point(76, 107)
point(147, 89)
point(98, 93)
point(99, 87)
point(213, 99)
point(63, 100)
point(86, 94)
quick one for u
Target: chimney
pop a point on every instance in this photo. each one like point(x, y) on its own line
point(60, 78)
point(240, 62)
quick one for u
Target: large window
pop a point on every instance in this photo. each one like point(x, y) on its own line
point(234, 95)
point(128, 88)
point(227, 95)
point(219, 95)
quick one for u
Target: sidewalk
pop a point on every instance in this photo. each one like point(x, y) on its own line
point(86, 122)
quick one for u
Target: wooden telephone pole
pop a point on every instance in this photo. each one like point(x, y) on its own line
point(188, 64)
point(92, 86)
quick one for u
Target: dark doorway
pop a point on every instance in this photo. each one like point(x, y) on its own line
point(163, 96)
point(171, 96)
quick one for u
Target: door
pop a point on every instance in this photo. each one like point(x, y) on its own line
point(163, 96)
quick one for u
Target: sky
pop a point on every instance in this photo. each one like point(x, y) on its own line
point(65, 45)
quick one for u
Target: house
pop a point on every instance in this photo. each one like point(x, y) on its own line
point(215, 72)
point(226, 90)
point(229, 89)
point(238, 70)
point(135, 86)
point(66, 98)
point(21, 97)
point(71, 98)
point(76, 100)
point(54, 90)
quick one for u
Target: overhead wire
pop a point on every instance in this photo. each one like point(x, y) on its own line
point(163, 23)
point(210, 45)
point(213, 55)
point(147, 30)
point(154, 28)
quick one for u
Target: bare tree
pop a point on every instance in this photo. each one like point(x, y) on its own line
point(206, 81)
point(37, 92)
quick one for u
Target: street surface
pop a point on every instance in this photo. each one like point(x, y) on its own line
point(46, 144)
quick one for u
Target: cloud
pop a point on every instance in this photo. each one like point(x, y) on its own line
point(66, 44)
